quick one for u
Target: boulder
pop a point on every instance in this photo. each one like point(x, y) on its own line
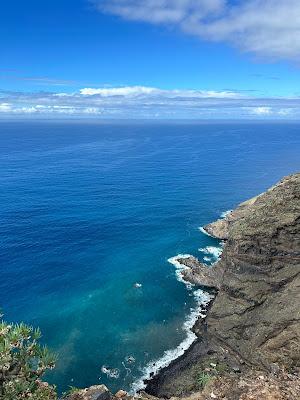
point(98, 392)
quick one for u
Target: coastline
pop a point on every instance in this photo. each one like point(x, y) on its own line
point(256, 274)
point(154, 369)
point(183, 362)
point(204, 298)
point(244, 341)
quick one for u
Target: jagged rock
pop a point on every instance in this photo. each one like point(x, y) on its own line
point(120, 394)
point(218, 229)
point(99, 392)
point(198, 273)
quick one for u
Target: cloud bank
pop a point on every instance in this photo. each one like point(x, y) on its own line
point(266, 28)
point(134, 102)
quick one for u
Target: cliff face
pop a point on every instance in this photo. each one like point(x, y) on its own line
point(257, 310)
point(254, 321)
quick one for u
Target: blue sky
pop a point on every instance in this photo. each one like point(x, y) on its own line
point(150, 58)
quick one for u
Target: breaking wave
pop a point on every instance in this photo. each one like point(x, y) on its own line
point(225, 213)
point(202, 299)
point(212, 255)
point(179, 268)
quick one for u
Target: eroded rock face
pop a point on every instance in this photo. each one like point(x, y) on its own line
point(218, 229)
point(257, 310)
point(254, 322)
point(199, 274)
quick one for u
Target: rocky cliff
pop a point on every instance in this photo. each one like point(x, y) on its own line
point(249, 344)
point(254, 322)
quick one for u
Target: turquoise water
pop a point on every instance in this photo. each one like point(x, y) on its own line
point(89, 209)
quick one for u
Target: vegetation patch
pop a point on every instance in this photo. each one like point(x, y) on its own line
point(23, 362)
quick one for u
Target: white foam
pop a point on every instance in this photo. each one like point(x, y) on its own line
point(201, 229)
point(137, 285)
point(180, 268)
point(110, 372)
point(212, 251)
point(225, 213)
point(202, 299)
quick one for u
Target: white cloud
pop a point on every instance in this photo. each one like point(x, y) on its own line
point(121, 91)
point(261, 110)
point(267, 28)
point(148, 102)
point(264, 111)
point(136, 91)
point(161, 11)
point(47, 109)
point(5, 107)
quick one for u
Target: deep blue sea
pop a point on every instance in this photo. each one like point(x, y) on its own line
point(90, 209)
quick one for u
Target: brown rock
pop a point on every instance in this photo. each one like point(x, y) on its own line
point(99, 392)
point(199, 274)
point(120, 394)
point(257, 310)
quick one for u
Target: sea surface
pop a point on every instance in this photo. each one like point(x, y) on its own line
point(89, 210)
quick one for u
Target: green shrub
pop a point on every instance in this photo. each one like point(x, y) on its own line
point(22, 364)
point(203, 379)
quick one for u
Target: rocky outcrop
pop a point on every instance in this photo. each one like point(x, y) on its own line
point(254, 322)
point(220, 228)
point(257, 310)
point(98, 392)
point(198, 273)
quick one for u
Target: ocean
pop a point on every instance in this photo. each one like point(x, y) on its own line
point(92, 214)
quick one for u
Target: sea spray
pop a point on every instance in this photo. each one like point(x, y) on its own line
point(212, 253)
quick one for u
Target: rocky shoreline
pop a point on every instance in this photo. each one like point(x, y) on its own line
point(254, 321)
point(248, 346)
